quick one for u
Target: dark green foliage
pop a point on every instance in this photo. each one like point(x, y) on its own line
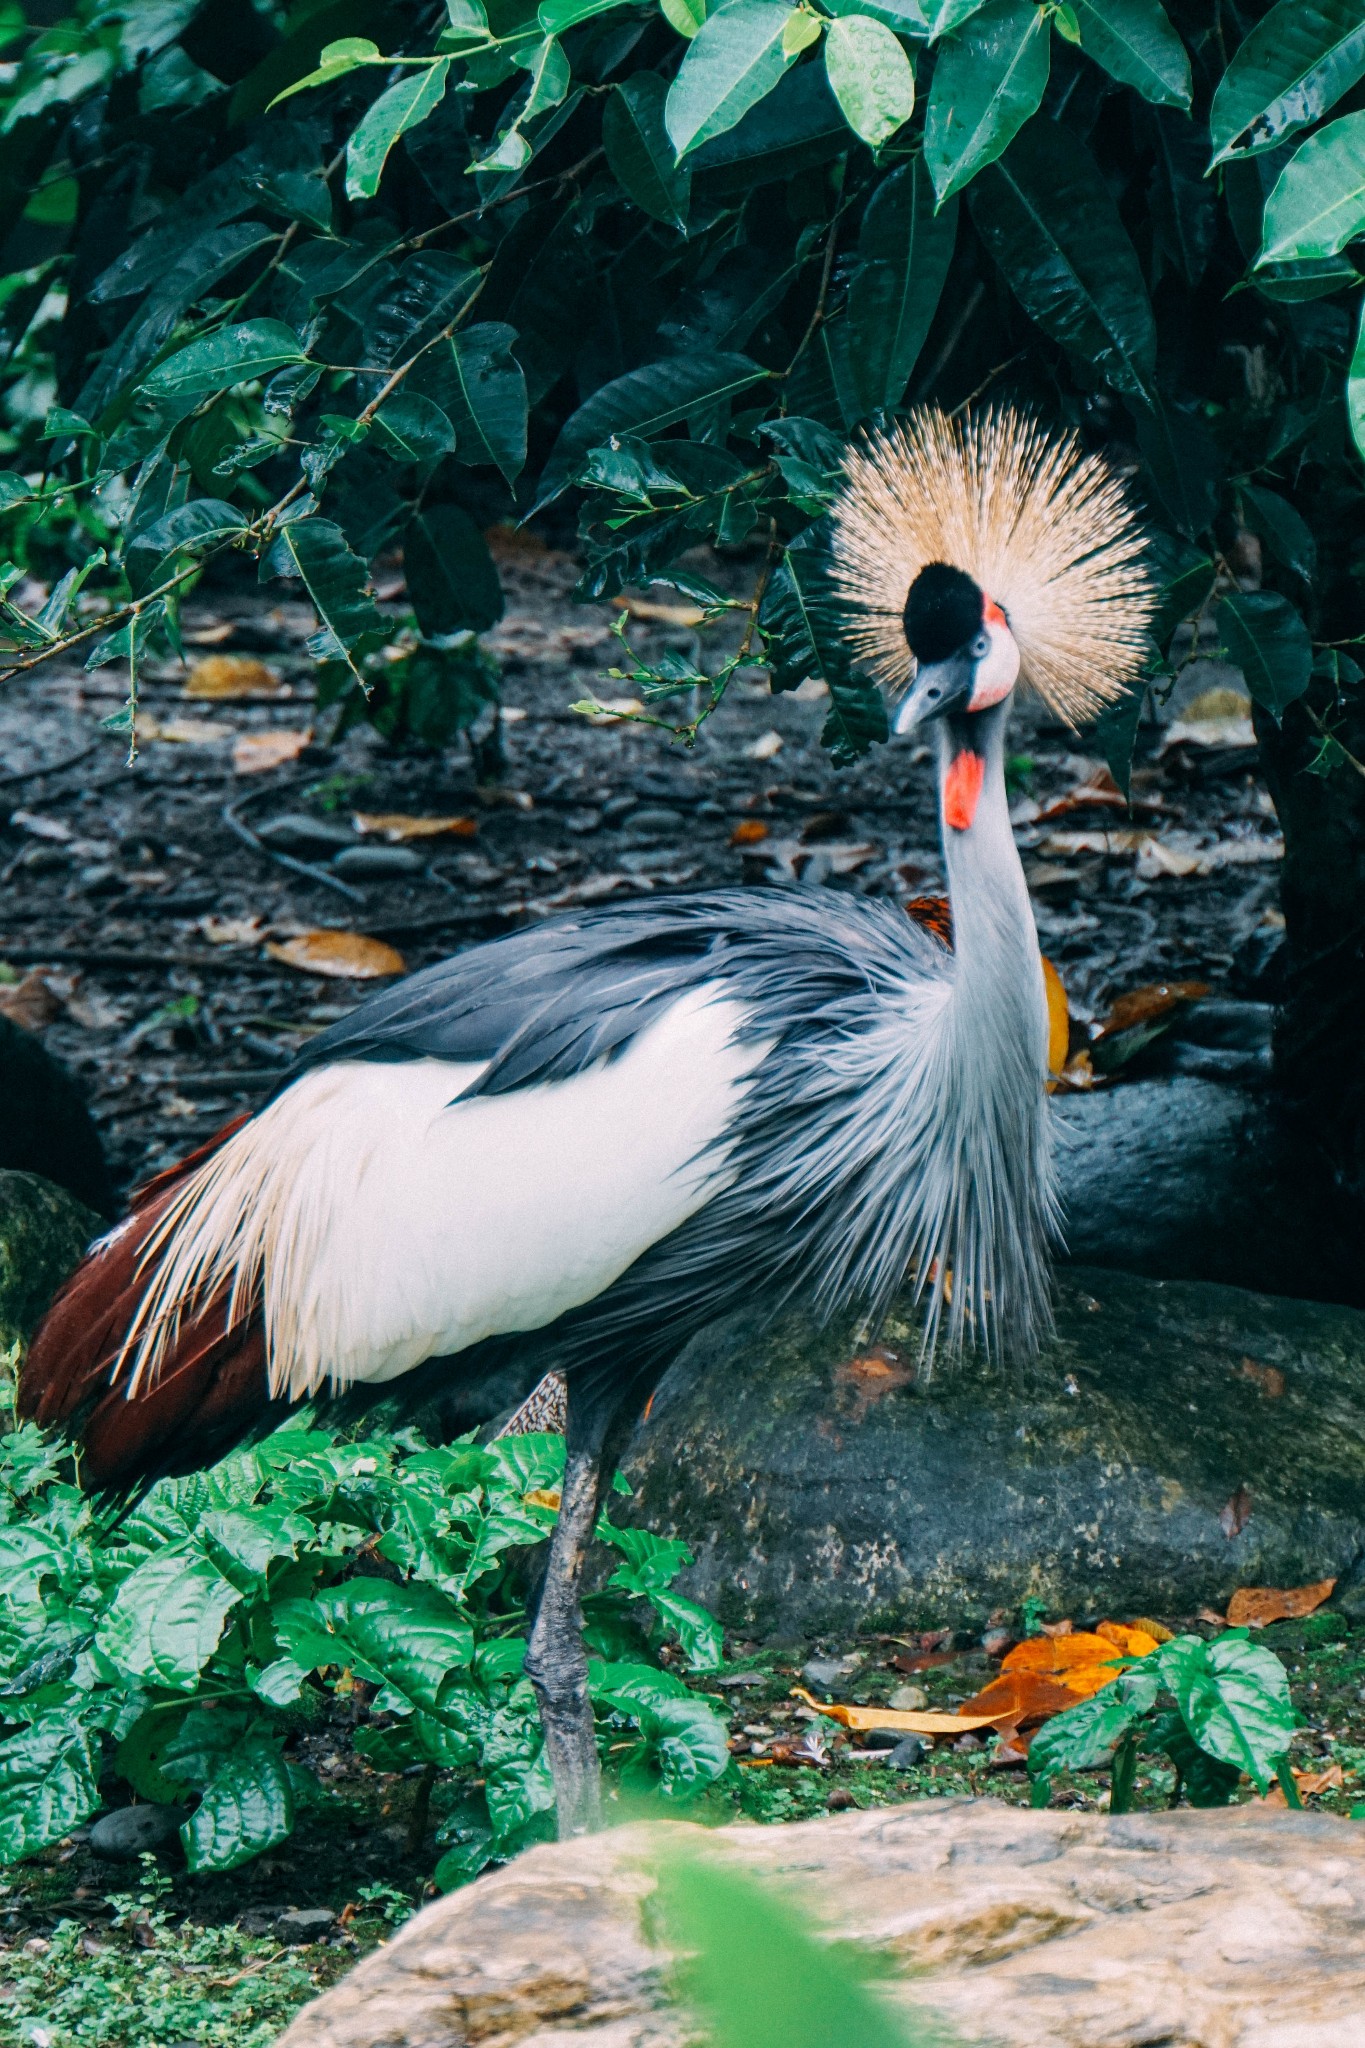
point(349, 278)
point(181, 1647)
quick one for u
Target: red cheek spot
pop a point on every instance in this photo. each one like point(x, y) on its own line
point(962, 789)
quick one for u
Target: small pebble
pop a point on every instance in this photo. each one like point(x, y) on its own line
point(304, 1924)
point(295, 832)
point(909, 1699)
point(377, 863)
point(828, 1672)
point(908, 1753)
point(656, 821)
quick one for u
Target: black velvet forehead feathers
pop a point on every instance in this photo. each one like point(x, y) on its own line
point(942, 613)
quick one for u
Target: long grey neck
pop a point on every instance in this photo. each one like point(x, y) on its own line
point(999, 1206)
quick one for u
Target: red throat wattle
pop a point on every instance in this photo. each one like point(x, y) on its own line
point(962, 789)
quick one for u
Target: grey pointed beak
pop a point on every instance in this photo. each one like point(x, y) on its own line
point(939, 686)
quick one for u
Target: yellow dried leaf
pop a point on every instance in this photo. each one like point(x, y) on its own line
point(396, 826)
point(257, 751)
point(233, 675)
point(862, 1718)
point(348, 955)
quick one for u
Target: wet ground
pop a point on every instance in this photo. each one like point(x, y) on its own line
point(148, 899)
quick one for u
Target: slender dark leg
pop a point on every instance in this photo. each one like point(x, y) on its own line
point(556, 1661)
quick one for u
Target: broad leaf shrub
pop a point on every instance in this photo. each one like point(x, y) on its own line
point(1216, 1710)
point(305, 284)
point(179, 1648)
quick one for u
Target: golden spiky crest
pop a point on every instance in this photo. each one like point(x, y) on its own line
point(1045, 529)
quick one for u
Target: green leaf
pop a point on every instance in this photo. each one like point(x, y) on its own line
point(802, 627)
point(700, 1634)
point(870, 76)
point(337, 583)
point(1355, 387)
point(412, 428)
point(141, 1754)
point(1134, 41)
point(1184, 465)
point(481, 388)
point(1296, 63)
point(15, 490)
point(1318, 204)
point(645, 402)
point(1284, 530)
point(987, 82)
point(736, 57)
point(404, 1637)
point(950, 14)
point(235, 354)
point(1115, 734)
point(906, 17)
point(903, 256)
point(1264, 636)
point(639, 151)
point(1047, 217)
point(1232, 1695)
point(336, 60)
point(801, 31)
point(452, 579)
point(550, 78)
point(48, 1784)
point(416, 95)
point(247, 1808)
point(1084, 1735)
point(557, 15)
point(686, 16)
point(165, 1620)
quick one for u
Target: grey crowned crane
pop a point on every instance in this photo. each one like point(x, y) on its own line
point(614, 1128)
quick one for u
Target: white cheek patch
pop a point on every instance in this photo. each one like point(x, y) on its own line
point(997, 672)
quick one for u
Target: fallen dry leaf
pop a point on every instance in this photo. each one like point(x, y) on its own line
point(1020, 1696)
point(32, 1003)
point(1258, 1606)
point(396, 826)
point(1235, 1514)
point(349, 955)
point(215, 635)
point(1215, 718)
point(1332, 1779)
point(256, 751)
point(655, 613)
point(765, 746)
point(1134, 1641)
point(1058, 1021)
point(1157, 1630)
point(1081, 1662)
point(748, 832)
point(1144, 1005)
point(233, 931)
point(860, 1719)
point(183, 732)
point(225, 676)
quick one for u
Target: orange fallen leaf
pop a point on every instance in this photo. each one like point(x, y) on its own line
point(1082, 1662)
point(396, 826)
point(232, 675)
point(1058, 1020)
point(860, 1719)
point(1019, 1696)
point(1134, 1641)
point(748, 832)
point(256, 751)
point(1144, 1005)
point(349, 955)
point(1257, 1606)
point(1157, 1630)
point(1332, 1779)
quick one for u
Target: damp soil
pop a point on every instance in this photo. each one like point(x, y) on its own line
point(137, 890)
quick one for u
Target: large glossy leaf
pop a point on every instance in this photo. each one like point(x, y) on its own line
point(903, 257)
point(1296, 63)
point(1184, 203)
point(412, 428)
point(801, 625)
point(337, 583)
point(416, 95)
point(480, 386)
point(1135, 42)
point(1184, 465)
point(452, 579)
point(1263, 634)
point(1234, 1699)
point(644, 403)
point(165, 1621)
point(405, 1637)
point(870, 76)
point(1047, 218)
point(247, 1807)
point(1285, 531)
point(1318, 205)
point(990, 77)
point(1084, 1735)
point(736, 57)
point(639, 150)
point(48, 1784)
point(798, 126)
point(1355, 388)
point(235, 354)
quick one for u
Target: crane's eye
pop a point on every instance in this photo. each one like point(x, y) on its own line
point(981, 647)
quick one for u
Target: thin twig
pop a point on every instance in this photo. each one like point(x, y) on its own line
point(13, 775)
point(286, 860)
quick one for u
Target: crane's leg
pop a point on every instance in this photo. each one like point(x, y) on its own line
point(556, 1660)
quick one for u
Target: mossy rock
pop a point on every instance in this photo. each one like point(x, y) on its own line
point(43, 1231)
point(1176, 1440)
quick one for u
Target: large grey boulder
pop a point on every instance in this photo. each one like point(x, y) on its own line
point(1237, 1929)
point(1174, 1441)
point(43, 1231)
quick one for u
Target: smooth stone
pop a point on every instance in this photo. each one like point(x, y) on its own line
point(909, 1699)
point(1003, 1925)
point(824, 1489)
point(907, 1755)
point(830, 1671)
point(45, 1126)
point(377, 863)
point(131, 1831)
point(297, 832)
point(302, 1924)
point(656, 821)
point(43, 1232)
